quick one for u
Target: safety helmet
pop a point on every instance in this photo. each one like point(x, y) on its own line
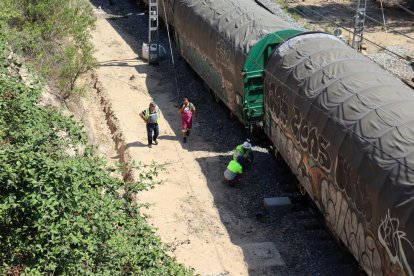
point(247, 145)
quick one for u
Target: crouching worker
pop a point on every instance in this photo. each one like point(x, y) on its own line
point(244, 151)
point(233, 172)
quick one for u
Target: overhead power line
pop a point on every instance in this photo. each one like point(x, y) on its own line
point(350, 31)
point(388, 29)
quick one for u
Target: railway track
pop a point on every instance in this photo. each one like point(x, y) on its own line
point(267, 178)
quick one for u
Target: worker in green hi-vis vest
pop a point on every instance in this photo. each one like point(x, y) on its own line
point(245, 152)
point(234, 171)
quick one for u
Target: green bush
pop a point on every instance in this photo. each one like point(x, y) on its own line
point(54, 35)
point(60, 209)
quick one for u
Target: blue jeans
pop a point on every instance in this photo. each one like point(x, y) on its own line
point(152, 128)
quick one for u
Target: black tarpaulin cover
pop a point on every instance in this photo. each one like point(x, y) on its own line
point(222, 32)
point(362, 118)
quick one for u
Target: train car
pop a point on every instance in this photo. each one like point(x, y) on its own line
point(227, 43)
point(344, 125)
point(346, 128)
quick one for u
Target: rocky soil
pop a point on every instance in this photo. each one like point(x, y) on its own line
point(388, 33)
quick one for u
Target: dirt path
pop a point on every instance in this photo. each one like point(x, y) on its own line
point(182, 209)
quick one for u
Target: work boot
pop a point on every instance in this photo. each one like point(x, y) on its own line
point(185, 139)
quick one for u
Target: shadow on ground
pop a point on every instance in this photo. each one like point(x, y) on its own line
point(305, 251)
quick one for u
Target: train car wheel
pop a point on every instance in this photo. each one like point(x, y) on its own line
point(216, 98)
point(272, 150)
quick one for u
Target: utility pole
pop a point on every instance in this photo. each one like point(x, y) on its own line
point(359, 21)
point(153, 39)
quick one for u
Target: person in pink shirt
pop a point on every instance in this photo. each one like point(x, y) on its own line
point(187, 111)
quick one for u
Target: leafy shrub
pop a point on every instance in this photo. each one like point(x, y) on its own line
point(61, 213)
point(54, 35)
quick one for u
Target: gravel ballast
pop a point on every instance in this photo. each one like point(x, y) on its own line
point(300, 236)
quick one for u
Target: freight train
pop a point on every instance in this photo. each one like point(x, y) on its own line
point(344, 125)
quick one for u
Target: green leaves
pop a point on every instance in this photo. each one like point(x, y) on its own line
point(61, 213)
point(54, 36)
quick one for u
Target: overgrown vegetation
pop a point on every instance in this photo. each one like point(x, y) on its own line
point(60, 209)
point(52, 35)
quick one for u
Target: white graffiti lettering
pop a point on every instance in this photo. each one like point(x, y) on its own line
point(393, 240)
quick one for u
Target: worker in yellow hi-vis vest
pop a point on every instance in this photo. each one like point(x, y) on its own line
point(151, 116)
point(233, 171)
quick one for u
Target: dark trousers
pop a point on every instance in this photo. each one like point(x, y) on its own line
point(152, 128)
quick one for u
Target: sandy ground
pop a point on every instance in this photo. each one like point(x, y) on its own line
point(182, 209)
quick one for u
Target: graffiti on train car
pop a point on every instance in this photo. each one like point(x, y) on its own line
point(211, 75)
point(306, 135)
point(379, 253)
point(224, 55)
point(345, 222)
point(349, 182)
point(310, 140)
point(337, 207)
point(394, 241)
point(277, 102)
point(201, 66)
point(336, 188)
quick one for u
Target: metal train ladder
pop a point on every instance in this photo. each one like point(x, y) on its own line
point(153, 39)
point(359, 21)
